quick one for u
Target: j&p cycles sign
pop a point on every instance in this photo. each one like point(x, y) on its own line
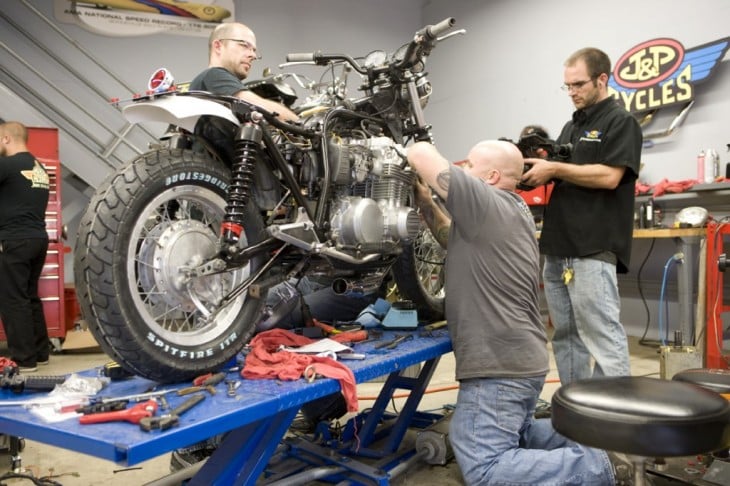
point(661, 72)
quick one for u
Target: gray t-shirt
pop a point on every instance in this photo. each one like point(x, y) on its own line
point(492, 272)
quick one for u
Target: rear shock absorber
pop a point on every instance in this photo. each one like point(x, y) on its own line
point(239, 191)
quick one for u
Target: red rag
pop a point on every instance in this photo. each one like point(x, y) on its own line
point(266, 361)
point(6, 362)
point(666, 186)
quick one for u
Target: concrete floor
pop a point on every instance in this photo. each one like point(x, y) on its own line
point(74, 469)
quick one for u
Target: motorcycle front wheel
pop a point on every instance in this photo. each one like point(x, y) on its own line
point(155, 219)
point(419, 275)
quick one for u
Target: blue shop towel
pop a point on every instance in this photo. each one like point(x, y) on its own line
point(372, 315)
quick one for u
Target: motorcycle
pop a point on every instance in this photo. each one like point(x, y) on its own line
point(178, 249)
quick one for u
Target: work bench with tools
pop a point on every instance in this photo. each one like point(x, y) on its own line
point(254, 415)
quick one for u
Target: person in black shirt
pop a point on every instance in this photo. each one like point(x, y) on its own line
point(588, 223)
point(23, 245)
point(231, 53)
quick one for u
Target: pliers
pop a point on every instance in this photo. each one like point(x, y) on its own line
point(134, 414)
point(394, 342)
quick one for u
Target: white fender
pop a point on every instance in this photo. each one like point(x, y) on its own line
point(182, 111)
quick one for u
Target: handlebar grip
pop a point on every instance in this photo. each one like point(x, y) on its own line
point(433, 31)
point(300, 57)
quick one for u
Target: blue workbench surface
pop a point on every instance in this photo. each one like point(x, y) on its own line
point(255, 400)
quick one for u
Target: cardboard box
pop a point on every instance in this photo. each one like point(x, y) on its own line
point(80, 340)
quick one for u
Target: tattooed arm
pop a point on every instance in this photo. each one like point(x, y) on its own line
point(435, 217)
point(431, 167)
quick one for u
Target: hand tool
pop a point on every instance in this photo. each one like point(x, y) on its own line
point(353, 336)
point(133, 415)
point(350, 336)
point(205, 382)
point(231, 386)
point(102, 407)
point(428, 329)
point(171, 419)
point(435, 325)
point(393, 343)
point(12, 379)
point(132, 398)
point(328, 330)
point(373, 335)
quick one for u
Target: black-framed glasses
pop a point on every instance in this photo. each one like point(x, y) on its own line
point(246, 45)
point(575, 86)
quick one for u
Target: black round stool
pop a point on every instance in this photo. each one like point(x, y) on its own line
point(642, 417)
point(715, 379)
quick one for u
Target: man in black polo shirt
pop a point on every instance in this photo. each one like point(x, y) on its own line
point(23, 246)
point(231, 53)
point(587, 229)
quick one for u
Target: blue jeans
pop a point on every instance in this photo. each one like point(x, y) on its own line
point(585, 314)
point(497, 441)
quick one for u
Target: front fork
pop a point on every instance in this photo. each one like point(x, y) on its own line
point(247, 141)
point(422, 129)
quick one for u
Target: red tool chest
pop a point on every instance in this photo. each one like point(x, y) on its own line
point(43, 143)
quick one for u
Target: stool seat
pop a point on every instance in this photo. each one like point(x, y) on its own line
point(715, 379)
point(642, 416)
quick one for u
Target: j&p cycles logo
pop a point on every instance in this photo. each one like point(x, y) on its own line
point(660, 73)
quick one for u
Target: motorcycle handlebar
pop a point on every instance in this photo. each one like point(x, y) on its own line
point(300, 57)
point(430, 33)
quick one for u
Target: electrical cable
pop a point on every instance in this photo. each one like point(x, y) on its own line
point(664, 313)
point(643, 341)
point(34, 480)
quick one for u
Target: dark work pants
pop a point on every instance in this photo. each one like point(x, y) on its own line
point(21, 264)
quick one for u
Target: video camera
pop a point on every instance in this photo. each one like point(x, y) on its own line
point(534, 145)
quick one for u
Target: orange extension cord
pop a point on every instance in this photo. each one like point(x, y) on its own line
point(432, 390)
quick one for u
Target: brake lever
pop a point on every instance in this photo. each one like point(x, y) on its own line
point(451, 34)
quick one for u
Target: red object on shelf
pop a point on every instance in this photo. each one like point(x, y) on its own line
point(714, 299)
point(43, 143)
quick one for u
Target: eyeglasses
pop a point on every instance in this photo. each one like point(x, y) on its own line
point(575, 86)
point(246, 45)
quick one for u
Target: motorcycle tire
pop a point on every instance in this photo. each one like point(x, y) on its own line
point(419, 275)
point(146, 224)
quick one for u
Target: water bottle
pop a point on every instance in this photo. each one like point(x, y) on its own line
point(649, 218)
point(701, 167)
point(712, 165)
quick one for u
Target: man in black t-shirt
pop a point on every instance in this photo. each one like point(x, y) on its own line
point(587, 230)
point(23, 245)
point(231, 53)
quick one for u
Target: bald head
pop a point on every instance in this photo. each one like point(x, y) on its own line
point(13, 138)
point(232, 46)
point(501, 156)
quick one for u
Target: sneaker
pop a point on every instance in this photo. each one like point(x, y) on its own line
point(27, 369)
point(42, 363)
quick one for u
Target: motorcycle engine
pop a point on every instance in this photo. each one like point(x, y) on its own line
point(370, 210)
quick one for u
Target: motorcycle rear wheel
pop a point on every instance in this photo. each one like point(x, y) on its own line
point(148, 223)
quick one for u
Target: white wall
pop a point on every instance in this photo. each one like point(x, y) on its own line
point(503, 74)
point(507, 71)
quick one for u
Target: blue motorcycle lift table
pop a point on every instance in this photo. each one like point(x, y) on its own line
point(255, 420)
